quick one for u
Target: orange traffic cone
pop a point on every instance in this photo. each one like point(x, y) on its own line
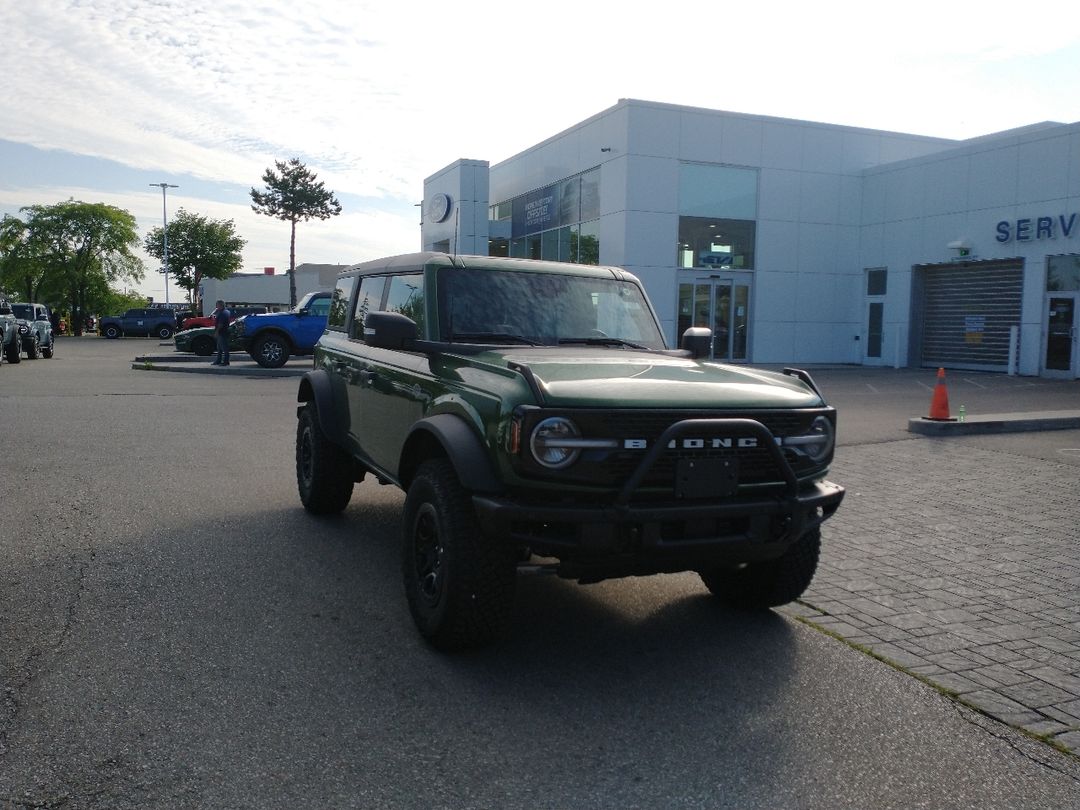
point(939, 405)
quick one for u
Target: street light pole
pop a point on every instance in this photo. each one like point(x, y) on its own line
point(165, 234)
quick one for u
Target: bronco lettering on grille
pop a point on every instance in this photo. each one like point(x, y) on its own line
point(696, 444)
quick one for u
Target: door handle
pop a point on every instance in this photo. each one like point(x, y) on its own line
point(367, 377)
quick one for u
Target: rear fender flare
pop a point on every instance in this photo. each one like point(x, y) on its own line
point(315, 387)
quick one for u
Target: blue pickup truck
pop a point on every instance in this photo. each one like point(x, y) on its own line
point(272, 338)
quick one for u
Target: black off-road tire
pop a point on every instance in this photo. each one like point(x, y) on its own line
point(270, 351)
point(48, 351)
point(203, 346)
point(111, 332)
point(771, 583)
point(323, 470)
point(14, 350)
point(164, 332)
point(459, 583)
point(33, 350)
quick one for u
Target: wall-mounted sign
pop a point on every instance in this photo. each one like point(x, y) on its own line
point(1032, 228)
point(439, 207)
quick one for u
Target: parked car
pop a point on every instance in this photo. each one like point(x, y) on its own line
point(202, 341)
point(532, 414)
point(272, 338)
point(35, 328)
point(150, 322)
point(10, 340)
point(193, 321)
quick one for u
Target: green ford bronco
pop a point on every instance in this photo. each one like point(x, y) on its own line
point(534, 417)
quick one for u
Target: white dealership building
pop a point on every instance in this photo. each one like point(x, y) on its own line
point(801, 242)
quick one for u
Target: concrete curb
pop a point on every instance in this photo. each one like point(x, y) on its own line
point(191, 364)
point(997, 423)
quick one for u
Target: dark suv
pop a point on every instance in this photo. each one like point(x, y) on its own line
point(150, 322)
point(533, 415)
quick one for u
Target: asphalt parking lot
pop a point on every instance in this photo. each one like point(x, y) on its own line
point(178, 632)
point(955, 558)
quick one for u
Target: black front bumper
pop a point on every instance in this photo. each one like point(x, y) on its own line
point(631, 534)
point(744, 529)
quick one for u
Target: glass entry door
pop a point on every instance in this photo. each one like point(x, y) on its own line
point(722, 305)
point(1060, 359)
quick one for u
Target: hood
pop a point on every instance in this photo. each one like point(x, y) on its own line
point(602, 377)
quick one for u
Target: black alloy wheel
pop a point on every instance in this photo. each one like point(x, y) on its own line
point(323, 470)
point(14, 349)
point(459, 582)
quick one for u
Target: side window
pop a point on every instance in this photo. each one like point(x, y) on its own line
point(367, 300)
point(339, 304)
point(320, 307)
point(407, 298)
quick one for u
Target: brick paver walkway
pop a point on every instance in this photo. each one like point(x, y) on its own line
point(962, 566)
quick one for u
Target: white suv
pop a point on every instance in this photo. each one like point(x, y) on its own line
point(35, 328)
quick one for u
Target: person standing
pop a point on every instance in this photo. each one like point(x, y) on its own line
point(222, 316)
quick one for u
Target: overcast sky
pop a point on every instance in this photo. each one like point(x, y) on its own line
point(103, 97)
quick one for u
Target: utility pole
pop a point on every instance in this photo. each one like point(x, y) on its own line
point(165, 235)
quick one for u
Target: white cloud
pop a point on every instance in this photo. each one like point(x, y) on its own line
point(374, 96)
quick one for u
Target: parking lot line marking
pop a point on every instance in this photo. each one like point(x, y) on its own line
point(976, 384)
point(872, 388)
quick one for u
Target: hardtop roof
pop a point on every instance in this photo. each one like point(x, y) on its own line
point(421, 261)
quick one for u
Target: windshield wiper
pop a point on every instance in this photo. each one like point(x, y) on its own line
point(604, 341)
point(492, 337)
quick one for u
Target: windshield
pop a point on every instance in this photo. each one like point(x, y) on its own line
point(23, 311)
point(493, 306)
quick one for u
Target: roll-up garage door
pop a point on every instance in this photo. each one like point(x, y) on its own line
point(965, 312)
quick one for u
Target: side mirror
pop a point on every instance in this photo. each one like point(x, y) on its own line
point(697, 340)
point(389, 330)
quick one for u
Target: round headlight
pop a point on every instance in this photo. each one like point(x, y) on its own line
point(553, 442)
point(822, 436)
point(817, 443)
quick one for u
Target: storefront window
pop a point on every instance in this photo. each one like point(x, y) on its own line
point(559, 222)
point(876, 280)
point(717, 211)
point(1062, 273)
point(586, 248)
point(590, 195)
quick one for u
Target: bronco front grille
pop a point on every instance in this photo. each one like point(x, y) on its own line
point(633, 431)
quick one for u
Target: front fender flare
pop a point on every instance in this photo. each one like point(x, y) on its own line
point(462, 446)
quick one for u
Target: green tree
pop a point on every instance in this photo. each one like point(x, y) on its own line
point(294, 195)
point(84, 248)
point(199, 247)
point(21, 271)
